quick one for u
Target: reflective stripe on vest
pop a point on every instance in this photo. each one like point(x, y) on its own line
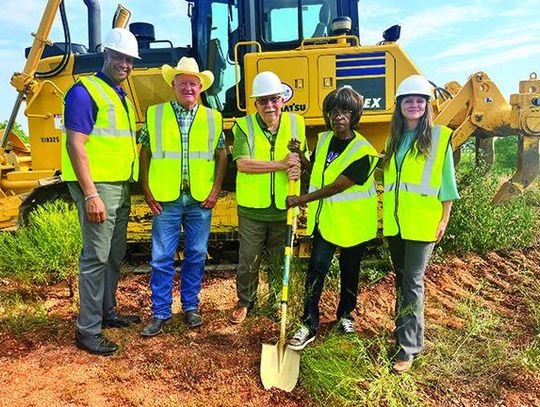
point(413, 200)
point(165, 174)
point(256, 190)
point(111, 146)
point(350, 217)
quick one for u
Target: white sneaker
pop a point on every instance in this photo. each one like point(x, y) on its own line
point(346, 326)
point(301, 338)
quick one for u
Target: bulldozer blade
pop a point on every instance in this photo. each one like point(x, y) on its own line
point(527, 169)
point(280, 367)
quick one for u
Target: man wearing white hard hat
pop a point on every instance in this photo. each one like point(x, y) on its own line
point(99, 159)
point(183, 163)
point(265, 165)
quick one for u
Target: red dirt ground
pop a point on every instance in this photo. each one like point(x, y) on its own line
point(218, 364)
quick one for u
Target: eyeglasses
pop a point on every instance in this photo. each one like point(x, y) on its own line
point(273, 100)
point(185, 84)
point(337, 112)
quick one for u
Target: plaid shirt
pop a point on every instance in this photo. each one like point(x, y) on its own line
point(185, 118)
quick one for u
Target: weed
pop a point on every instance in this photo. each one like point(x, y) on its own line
point(478, 352)
point(531, 353)
point(476, 225)
point(349, 371)
point(22, 317)
point(46, 250)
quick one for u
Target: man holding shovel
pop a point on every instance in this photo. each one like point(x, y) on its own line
point(265, 164)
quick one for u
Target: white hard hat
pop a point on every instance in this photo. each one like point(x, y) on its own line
point(265, 84)
point(414, 85)
point(123, 41)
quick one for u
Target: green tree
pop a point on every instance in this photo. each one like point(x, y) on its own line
point(17, 129)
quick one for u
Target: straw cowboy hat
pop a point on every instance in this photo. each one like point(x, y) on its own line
point(187, 66)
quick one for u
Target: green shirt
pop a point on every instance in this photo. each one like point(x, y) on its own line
point(241, 150)
point(448, 191)
point(184, 118)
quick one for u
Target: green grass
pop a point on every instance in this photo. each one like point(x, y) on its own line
point(478, 226)
point(26, 317)
point(46, 250)
point(349, 371)
point(478, 353)
point(531, 352)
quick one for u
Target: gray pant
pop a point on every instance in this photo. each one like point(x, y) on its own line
point(410, 259)
point(254, 237)
point(104, 247)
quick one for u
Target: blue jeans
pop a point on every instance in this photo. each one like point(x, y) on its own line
point(185, 213)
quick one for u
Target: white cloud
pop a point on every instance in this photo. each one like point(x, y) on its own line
point(371, 10)
point(506, 57)
point(505, 37)
point(435, 22)
point(526, 8)
point(482, 46)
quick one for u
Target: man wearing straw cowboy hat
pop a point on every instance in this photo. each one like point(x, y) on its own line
point(183, 162)
point(265, 164)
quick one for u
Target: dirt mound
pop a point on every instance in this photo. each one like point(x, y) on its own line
point(218, 364)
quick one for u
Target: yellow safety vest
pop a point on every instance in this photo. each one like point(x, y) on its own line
point(350, 217)
point(256, 190)
point(165, 174)
point(411, 205)
point(111, 147)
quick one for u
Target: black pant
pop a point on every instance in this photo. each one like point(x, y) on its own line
point(349, 266)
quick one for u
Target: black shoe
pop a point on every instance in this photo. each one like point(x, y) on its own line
point(95, 344)
point(193, 318)
point(154, 327)
point(121, 321)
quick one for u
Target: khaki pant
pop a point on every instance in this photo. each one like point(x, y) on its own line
point(104, 247)
point(258, 240)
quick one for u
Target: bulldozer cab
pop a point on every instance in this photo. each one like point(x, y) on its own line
point(277, 25)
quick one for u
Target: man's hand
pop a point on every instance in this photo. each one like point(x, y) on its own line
point(294, 172)
point(95, 209)
point(293, 160)
point(211, 201)
point(154, 205)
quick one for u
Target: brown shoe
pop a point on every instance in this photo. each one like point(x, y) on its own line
point(402, 366)
point(238, 314)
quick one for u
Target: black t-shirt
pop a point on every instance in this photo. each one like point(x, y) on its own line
point(357, 171)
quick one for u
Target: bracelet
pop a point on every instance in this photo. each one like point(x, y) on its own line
point(90, 197)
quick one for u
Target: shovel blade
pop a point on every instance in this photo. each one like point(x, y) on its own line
point(279, 367)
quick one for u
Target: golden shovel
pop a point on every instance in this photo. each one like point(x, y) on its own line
point(280, 365)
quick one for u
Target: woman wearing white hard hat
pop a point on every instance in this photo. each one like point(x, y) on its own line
point(419, 187)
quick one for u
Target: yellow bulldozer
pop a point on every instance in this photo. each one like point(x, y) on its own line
point(319, 51)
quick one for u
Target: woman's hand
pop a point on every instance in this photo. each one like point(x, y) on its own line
point(293, 201)
point(440, 231)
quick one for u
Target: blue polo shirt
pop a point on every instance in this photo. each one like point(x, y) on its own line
point(80, 110)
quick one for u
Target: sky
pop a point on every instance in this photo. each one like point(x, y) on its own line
point(447, 40)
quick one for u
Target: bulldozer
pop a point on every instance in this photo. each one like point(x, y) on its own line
point(319, 51)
